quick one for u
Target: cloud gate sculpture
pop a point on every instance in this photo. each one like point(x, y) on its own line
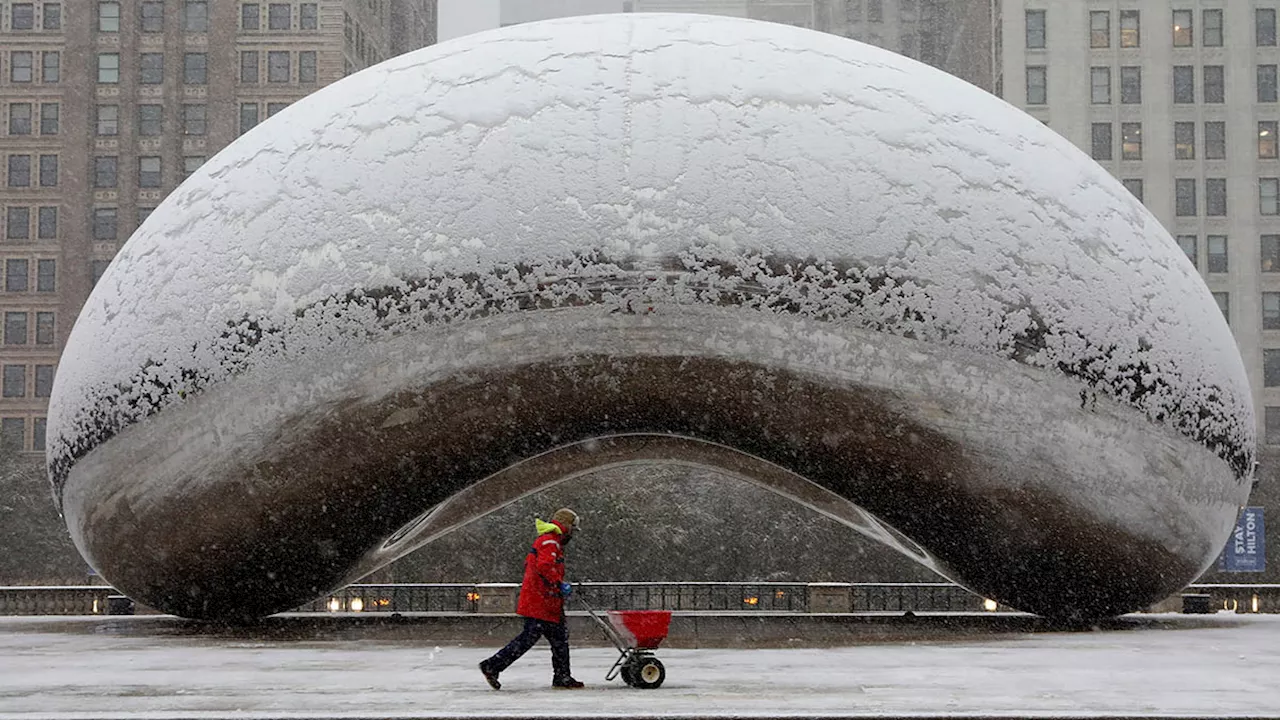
point(488, 266)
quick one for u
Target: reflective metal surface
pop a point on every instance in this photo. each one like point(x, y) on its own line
point(489, 266)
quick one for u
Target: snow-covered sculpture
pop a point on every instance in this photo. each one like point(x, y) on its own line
point(486, 266)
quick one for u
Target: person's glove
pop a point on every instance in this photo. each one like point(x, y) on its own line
point(565, 590)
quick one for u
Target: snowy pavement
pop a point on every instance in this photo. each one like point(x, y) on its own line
point(1223, 665)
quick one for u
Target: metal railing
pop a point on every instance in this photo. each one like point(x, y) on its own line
point(709, 597)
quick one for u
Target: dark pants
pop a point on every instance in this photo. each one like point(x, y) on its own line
point(556, 633)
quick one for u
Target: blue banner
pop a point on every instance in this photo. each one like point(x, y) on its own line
point(1246, 551)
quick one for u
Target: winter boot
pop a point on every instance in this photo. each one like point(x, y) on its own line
point(566, 683)
point(490, 676)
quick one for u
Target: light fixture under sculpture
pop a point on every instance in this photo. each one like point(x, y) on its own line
point(490, 265)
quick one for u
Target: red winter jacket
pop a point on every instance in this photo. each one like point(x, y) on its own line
point(543, 571)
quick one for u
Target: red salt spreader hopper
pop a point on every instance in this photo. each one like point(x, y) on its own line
point(636, 634)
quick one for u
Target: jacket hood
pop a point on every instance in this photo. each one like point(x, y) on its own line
point(547, 527)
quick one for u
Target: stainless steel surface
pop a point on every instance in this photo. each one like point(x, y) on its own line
point(479, 269)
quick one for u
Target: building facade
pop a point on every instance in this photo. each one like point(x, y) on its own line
point(105, 107)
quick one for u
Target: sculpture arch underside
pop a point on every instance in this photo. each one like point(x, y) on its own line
point(484, 267)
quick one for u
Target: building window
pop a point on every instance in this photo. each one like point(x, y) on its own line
point(1102, 141)
point(1214, 84)
point(1184, 84)
point(46, 275)
point(1270, 311)
point(21, 64)
point(195, 68)
point(1130, 29)
point(1100, 29)
point(1215, 140)
point(20, 171)
point(109, 67)
point(1266, 83)
point(152, 16)
point(1182, 29)
point(44, 381)
point(1217, 245)
point(1189, 245)
point(150, 120)
point(278, 67)
point(13, 432)
point(275, 107)
point(248, 117)
point(48, 171)
point(143, 214)
point(195, 16)
point(279, 16)
point(1037, 85)
point(1212, 28)
point(44, 328)
point(1270, 369)
point(1100, 85)
point(15, 379)
point(190, 164)
point(1264, 21)
point(1224, 305)
point(15, 275)
point(149, 172)
point(1134, 186)
point(1035, 29)
point(51, 67)
point(52, 16)
point(194, 119)
point(1268, 192)
point(108, 120)
point(98, 268)
point(104, 224)
point(1131, 85)
point(151, 69)
point(15, 328)
point(18, 223)
point(19, 118)
point(1267, 130)
point(39, 428)
point(307, 67)
point(108, 17)
point(22, 16)
point(249, 67)
point(1185, 197)
point(47, 225)
point(1184, 140)
point(250, 17)
point(309, 16)
point(105, 171)
point(1270, 245)
point(49, 118)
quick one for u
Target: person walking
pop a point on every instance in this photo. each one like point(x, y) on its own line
point(541, 604)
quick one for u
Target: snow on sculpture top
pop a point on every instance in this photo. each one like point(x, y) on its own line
point(782, 169)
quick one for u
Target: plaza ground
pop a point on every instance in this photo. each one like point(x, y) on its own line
point(1223, 665)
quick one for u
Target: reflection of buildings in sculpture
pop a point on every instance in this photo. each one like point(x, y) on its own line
point(954, 35)
point(108, 106)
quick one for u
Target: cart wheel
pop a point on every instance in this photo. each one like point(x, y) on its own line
point(649, 673)
point(628, 677)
